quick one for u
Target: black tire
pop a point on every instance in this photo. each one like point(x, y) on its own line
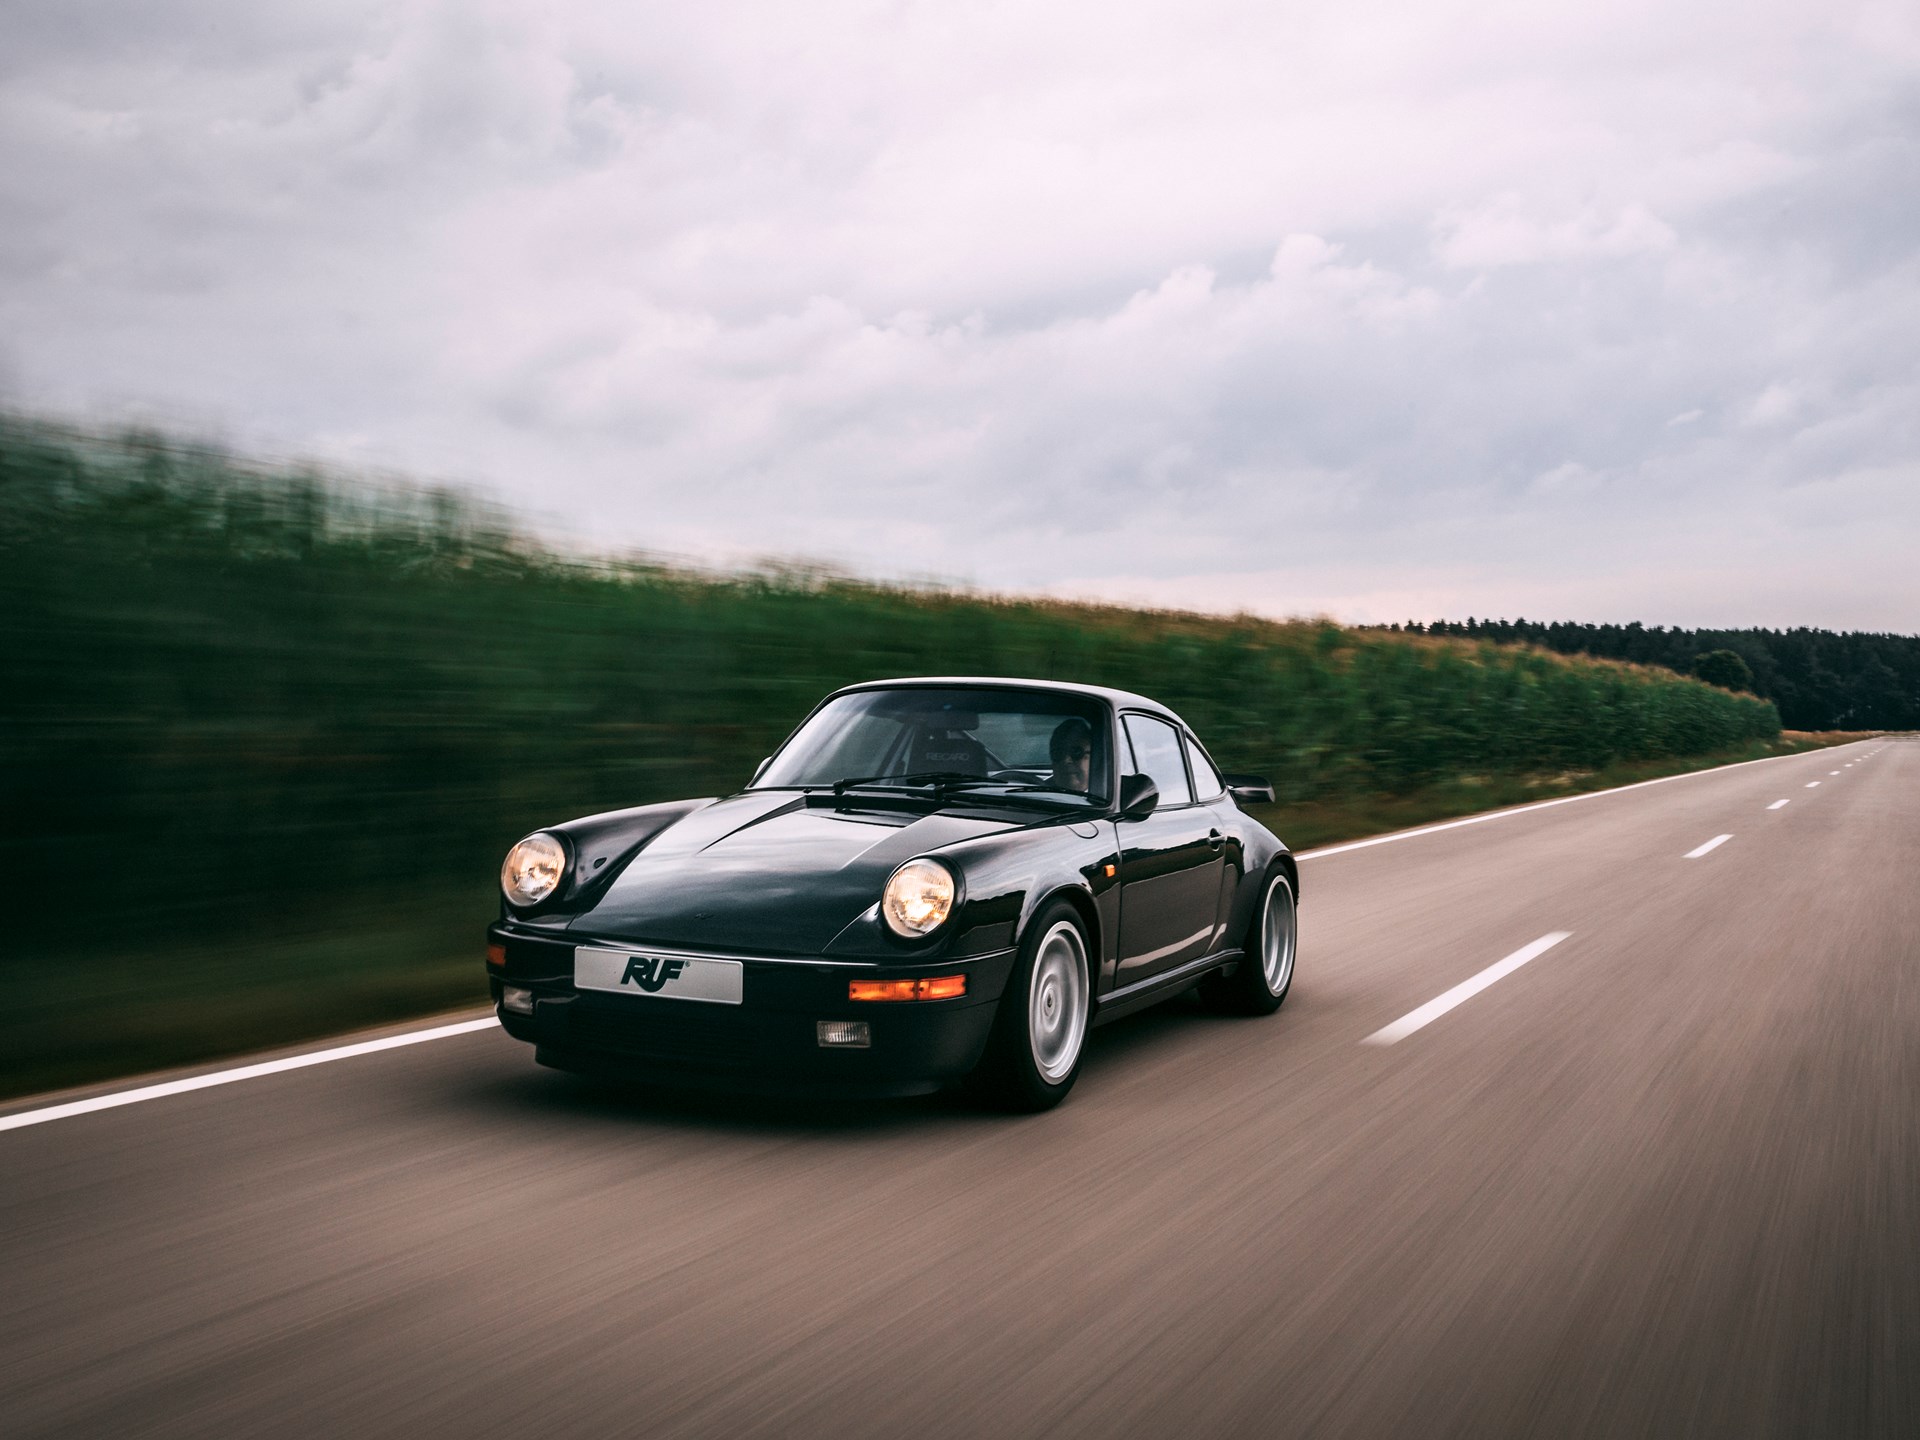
point(1260, 982)
point(1033, 1054)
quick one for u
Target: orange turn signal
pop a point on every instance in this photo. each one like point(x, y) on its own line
point(941, 987)
point(497, 955)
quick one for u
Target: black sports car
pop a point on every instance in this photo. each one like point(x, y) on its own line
point(931, 879)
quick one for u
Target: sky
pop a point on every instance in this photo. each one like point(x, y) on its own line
point(1596, 311)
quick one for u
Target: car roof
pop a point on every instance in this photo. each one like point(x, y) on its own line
point(1119, 699)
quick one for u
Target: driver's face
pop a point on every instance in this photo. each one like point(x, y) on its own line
point(1074, 766)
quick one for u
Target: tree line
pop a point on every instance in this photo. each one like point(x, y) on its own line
point(1819, 679)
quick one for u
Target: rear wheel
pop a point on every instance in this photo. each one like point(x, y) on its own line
point(1259, 984)
point(1040, 1031)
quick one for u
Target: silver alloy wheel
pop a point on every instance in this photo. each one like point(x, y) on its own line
point(1277, 925)
point(1057, 1002)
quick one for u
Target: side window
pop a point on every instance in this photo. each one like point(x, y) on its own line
point(1156, 754)
point(1206, 780)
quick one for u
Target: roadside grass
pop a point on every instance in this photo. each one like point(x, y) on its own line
point(105, 1013)
point(98, 1013)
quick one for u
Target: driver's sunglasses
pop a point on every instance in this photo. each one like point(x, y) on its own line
point(1078, 752)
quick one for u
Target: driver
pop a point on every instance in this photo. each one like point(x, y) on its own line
point(1071, 749)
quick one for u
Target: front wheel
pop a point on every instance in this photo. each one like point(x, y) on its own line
point(1033, 1056)
point(1259, 985)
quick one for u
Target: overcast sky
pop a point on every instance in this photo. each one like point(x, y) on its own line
point(1599, 311)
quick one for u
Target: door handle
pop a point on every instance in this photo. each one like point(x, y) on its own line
point(1216, 839)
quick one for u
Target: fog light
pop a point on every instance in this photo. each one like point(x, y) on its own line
point(844, 1034)
point(519, 1001)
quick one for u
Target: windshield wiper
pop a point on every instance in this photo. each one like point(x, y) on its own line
point(938, 778)
point(944, 782)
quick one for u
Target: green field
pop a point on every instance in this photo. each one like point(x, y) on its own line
point(265, 733)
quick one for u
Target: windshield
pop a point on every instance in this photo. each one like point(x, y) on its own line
point(964, 737)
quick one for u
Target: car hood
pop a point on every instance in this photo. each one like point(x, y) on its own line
point(766, 873)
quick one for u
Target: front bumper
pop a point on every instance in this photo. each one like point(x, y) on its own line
point(769, 1040)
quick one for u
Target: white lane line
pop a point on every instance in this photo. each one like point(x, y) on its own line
point(1713, 844)
point(244, 1072)
point(1779, 805)
point(1833, 772)
point(1324, 851)
point(1813, 784)
point(1464, 991)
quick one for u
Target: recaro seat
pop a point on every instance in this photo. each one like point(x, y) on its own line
point(947, 749)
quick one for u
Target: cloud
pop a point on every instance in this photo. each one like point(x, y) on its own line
point(1411, 301)
point(1776, 405)
point(1504, 233)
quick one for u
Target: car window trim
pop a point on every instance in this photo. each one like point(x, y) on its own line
point(1194, 780)
point(1176, 727)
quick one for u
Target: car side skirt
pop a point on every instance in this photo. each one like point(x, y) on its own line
point(1155, 988)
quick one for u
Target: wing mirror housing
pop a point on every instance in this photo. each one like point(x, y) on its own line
point(1250, 789)
point(1138, 797)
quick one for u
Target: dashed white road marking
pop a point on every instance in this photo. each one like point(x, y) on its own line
point(1833, 772)
point(1464, 991)
point(243, 1072)
point(1713, 844)
point(1779, 805)
point(1812, 784)
point(1399, 835)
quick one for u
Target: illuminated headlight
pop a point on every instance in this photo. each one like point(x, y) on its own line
point(533, 870)
point(918, 898)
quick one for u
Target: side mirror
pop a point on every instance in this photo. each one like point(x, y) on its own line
point(1138, 797)
point(758, 771)
point(1250, 789)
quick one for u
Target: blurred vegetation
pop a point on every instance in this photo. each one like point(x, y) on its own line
point(1821, 680)
point(265, 713)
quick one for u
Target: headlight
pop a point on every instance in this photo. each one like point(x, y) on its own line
point(533, 870)
point(918, 898)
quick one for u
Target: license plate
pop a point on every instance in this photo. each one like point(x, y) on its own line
point(664, 977)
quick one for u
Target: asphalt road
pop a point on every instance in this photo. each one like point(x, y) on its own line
point(1661, 1179)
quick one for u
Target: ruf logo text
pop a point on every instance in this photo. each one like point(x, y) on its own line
point(650, 973)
